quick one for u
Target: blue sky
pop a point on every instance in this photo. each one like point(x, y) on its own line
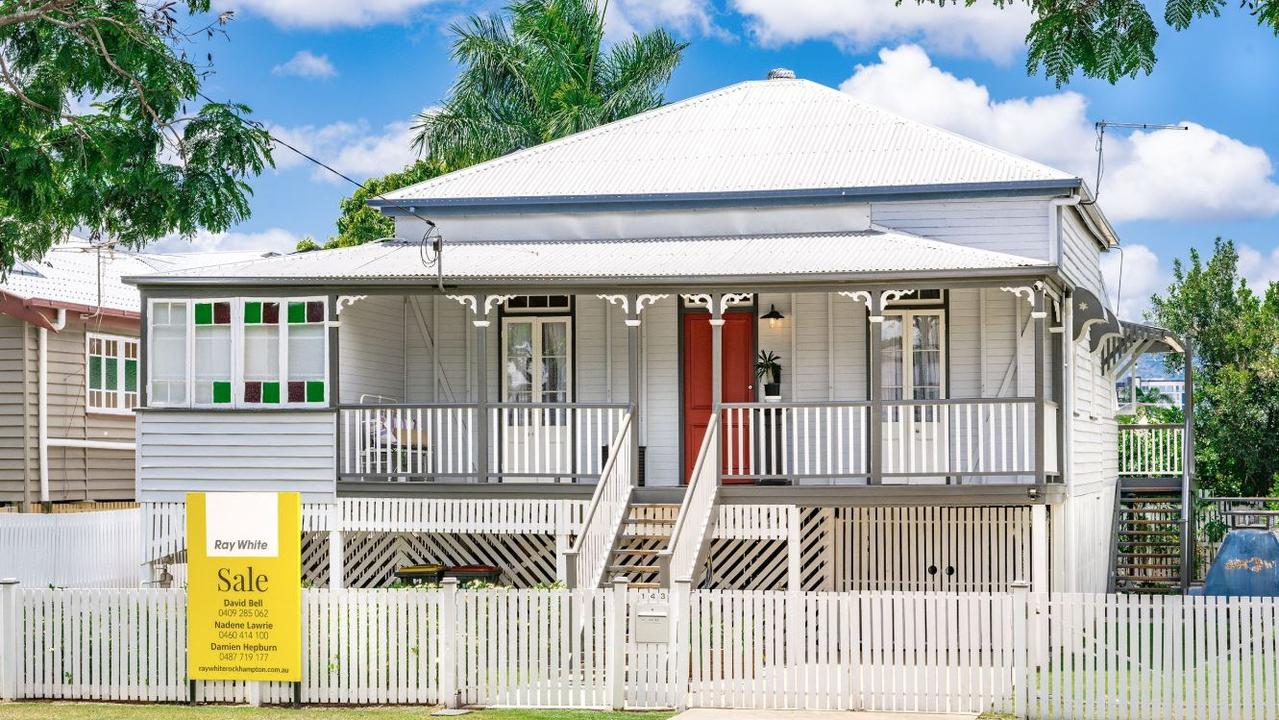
point(344, 79)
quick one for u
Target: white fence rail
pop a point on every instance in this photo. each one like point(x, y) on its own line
point(88, 549)
point(1151, 450)
point(602, 522)
point(1073, 656)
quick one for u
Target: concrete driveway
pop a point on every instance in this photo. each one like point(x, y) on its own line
point(705, 714)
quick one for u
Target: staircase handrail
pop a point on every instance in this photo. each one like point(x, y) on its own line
point(587, 560)
point(692, 530)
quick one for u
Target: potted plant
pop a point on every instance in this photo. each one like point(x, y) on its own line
point(766, 367)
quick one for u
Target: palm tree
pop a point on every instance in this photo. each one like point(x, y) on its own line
point(540, 74)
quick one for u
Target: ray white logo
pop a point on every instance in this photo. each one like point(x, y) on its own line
point(242, 524)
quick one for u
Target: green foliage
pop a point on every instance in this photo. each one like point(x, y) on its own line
point(539, 74)
point(1236, 343)
point(536, 74)
point(359, 223)
point(1109, 39)
point(96, 129)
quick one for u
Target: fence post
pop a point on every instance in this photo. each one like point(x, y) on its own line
point(448, 643)
point(337, 551)
point(680, 649)
point(615, 668)
point(9, 657)
point(1021, 654)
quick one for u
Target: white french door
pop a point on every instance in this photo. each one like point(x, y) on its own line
point(537, 367)
point(913, 367)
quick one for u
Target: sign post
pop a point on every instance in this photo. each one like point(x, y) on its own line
point(244, 588)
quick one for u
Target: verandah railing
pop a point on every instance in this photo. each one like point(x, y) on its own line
point(1152, 450)
point(441, 442)
point(829, 442)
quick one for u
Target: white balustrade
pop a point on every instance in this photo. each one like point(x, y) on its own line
point(589, 556)
point(1151, 450)
point(402, 442)
point(959, 437)
point(771, 440)
point(697, 512)
point(551, 442)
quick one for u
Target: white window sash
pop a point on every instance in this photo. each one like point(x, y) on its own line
point(120, 357)
point(536, 323)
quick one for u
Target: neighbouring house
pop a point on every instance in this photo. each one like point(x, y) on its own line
point(556, 367)
point(69, 348)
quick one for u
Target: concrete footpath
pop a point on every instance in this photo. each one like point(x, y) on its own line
point(706, 714)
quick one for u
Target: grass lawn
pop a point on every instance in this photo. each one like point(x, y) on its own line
point(113, 711)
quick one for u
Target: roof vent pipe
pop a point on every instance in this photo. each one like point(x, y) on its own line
point(781, 74)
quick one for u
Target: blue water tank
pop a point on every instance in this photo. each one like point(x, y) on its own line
point(1247, 565)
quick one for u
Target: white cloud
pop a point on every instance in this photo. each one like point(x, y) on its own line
point(624, 17)
point(331, 13)
point(984, 30)
point(1260, 268)
point(1143, 276)
point(276, 239)
point(1162, 174)
point(306, 64)
point(349, 147)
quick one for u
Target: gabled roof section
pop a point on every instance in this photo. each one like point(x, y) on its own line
point(67, 277)
point(779, 136)
point(789, 257)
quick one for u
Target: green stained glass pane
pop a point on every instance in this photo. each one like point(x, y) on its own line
point(314, 391)
point(297, 312)
point(131, 375)
point(204, 313)
point(252, 313)
point(271, 392)
point(221, 392)
point(95, 372)
point(112, 374)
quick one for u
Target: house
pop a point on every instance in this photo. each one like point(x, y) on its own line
point(69, 347)
point(553, 368)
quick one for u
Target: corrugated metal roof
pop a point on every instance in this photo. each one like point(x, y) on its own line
point(872, 251)
point(768, 135)
point(68, 274)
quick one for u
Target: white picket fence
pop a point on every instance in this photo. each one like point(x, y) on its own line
point(88, 549)
point(1041, 656)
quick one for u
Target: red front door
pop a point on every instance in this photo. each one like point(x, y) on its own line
point(738, 373)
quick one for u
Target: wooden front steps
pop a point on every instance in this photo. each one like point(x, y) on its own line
point(646, 532)
point(1146, 547)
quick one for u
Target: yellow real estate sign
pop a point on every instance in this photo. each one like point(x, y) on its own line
point(244, 590)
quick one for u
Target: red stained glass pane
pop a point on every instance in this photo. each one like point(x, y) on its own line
point(271, 313)
point(297, 391)
point(315, 311)
point(222, 313)
point(252, 391)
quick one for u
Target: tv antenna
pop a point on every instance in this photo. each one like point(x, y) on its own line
point(1101, 126)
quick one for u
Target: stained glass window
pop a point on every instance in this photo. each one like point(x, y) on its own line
point(261, 352)
point(111, 373)
point(305, 382)
point(211, 368)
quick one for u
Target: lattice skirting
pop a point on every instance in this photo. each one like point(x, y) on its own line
point(370, 558)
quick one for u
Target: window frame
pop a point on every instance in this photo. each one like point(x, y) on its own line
point(237, 353)
point(120, 391)
point(906, 317)
point(569, 352)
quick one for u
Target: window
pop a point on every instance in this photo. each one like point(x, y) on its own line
point(536, 359)
point(243, 353)
point(913, 362)
point(112, 380)
point(918, 297)
point(167, 361)
point(538, 303)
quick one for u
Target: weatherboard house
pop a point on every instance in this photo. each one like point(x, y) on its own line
point(765, 337)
